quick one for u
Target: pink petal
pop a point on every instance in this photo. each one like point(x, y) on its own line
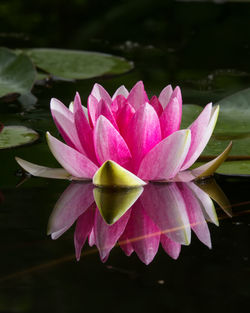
point(156, 105)
point(195, 215)
point(92, 108)
point(109, 144)
point(206, 202)
point(106, 235)
point(171, 117)
point(177, 94)
point(126, 244)
point(165, 96)
point(74, 162)
point(121, 91)
point(165, 205)
point(101, 94)
point(119, 102)
point(64, 120)
point(171, 247)
point(92, 235)
point(144, 235)
point(101, 108)
point(83, 228)
point(74, 201)
point(124, 116)
point(201, 130)
point(143, 134)
point(137, 95)
point(164, 161)
point(85, 132)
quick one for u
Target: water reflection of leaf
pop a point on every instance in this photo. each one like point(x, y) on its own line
point(141, 218)
point(112, 205)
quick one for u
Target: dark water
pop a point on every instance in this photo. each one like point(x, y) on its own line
point(202, 47)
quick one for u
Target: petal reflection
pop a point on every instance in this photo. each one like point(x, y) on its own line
point(165, 205)
point(139, 219)
point(74, 201)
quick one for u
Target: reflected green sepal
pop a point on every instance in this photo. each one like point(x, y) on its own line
point(111, 174)
point(114, 202)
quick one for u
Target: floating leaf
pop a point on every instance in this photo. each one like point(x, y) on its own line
point(235, 168)
point(14, 136)
point(73, 64)
point(233, 125)
point(17, 73)
point(234, 118)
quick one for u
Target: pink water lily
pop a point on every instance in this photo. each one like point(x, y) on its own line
point(143, 136)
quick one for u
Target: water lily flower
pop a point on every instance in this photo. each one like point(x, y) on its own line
point(139, 219)
point(128, 139)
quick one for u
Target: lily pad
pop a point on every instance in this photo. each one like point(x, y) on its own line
point(14, 136)
point(17, 73)
point(235, 168)
point(233, 125)
point(73, 64)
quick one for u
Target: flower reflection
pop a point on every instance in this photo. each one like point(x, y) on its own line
point(138, 219)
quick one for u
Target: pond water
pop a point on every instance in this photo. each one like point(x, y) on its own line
point(204, 48)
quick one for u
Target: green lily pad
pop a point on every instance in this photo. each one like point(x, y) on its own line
point(14, 136)
point(73, 64)
point(233, 125)
point(234, 120)
point(17, 73)
point(235, 168)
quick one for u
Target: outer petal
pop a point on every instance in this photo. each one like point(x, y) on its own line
point(92, 108)
point(143, 134)
point(85, 110)
point(164, 161)
point(201, 131)
point(101, 94)
point(43, 171)
point(109, 144)
point(64, 121)
point(172, 248)
point(165, 96)
point(83, 228)
point(165, 205)
point(177, 94)
point(156, 105)
point(74, 201)
point(121, 91)
point(171, 117)
point(137, 95)
point(74, 162)
point(195, 215)
point(85, 132)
